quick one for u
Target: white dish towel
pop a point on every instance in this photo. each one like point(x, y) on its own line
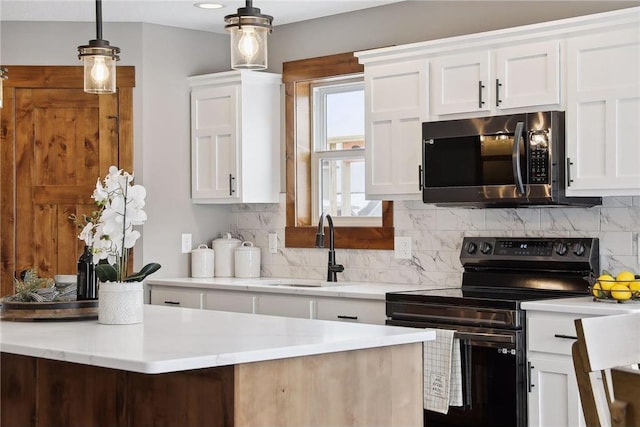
point(442, 372)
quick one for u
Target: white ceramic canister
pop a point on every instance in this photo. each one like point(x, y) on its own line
point(202, 261)
point(247, 260)
point(224, 247)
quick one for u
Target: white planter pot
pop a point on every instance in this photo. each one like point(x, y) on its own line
point(120, 303)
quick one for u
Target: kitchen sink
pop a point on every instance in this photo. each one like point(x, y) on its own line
point(303, 283)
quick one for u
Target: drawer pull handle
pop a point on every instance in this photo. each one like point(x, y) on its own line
point(569, 337)
point(172, 302)
point(340, 316)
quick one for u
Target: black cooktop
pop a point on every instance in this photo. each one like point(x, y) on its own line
point(481, 297)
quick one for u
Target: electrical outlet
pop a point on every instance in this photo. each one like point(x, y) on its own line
point(402, 247)
point(273, 243)
point(186, 243)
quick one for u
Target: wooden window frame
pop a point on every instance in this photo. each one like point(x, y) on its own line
point(297, 77)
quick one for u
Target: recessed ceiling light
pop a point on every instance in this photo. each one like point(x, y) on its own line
point(209, 5)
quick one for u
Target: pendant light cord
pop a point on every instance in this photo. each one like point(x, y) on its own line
point(98, 19)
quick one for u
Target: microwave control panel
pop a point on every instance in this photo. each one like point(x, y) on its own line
point(539, 156)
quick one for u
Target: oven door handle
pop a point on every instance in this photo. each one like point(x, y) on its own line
point(486, 337)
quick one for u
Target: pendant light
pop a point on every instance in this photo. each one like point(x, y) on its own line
point(3, 76)
point(99, 60)
point(249, 29)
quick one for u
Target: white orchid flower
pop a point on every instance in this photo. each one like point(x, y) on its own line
point(87, 234)
point(113, 233)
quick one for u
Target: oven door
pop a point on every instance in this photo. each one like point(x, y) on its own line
point(493, 378)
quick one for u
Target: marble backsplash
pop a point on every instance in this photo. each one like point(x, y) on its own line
point(436, 235)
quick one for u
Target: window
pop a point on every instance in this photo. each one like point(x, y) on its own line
point(337, 159)
point(338, 174)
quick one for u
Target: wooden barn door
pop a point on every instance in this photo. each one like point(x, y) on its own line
point(56, 142)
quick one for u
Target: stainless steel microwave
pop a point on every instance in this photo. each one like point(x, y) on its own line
point(499, 161)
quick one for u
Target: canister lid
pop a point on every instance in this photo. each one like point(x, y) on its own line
point(247, 247)
point(226, 239)
point(202, 248)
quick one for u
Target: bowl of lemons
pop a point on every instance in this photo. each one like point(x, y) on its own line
point(622, 287)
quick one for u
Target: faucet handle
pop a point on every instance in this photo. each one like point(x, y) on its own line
point(336, 268)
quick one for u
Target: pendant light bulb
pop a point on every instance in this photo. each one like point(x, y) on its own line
point(248, 44)
point(99, 71)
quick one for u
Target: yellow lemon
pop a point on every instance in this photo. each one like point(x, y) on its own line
point(606, 282)
point(635, 288)
point(620, 292)
point(597, 291)
point(625, 276)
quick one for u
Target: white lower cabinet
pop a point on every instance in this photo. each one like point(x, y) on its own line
point(298, 305)
point(175, 297)
point(554, 400)
point(286, 305)
point(239, 302)
point(351, 310)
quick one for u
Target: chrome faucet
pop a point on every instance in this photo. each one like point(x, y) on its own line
point(332, 268)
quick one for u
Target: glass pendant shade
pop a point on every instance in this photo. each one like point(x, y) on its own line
point(249, 30)
point(99, 59)
point(3, 76)
point(99, 68)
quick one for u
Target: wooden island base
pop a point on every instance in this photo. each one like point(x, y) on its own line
point(371, 387)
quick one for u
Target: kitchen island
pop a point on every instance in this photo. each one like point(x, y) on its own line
point(197, 367)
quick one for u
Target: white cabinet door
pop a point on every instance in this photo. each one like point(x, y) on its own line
point(239, 302)
point(214, 139)
point(528, 75)
point(235, 138)
point(286, 305)
point(396, 105)
point(461, 83)
point(554, 399)
point(351, 310)
point(176, 298)
point(603, 111)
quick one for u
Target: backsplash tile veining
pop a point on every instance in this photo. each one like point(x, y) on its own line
point(436, 235)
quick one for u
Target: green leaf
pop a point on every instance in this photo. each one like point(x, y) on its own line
point(106, 273)
point(146, 270)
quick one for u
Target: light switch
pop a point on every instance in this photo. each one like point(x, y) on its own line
point(273, 243)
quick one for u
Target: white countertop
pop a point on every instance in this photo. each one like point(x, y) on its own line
point(364, 290)
point(177, 339)
point(583, 305)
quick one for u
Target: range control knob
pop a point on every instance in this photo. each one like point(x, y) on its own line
point(579, 249)
point(561, 249)
point(485, 247)
point(471, 248)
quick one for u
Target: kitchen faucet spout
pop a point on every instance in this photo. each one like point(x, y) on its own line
point(332, 268)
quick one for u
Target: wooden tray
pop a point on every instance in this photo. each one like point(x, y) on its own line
point(52, 310)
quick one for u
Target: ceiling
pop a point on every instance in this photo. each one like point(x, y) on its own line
point(175, 13)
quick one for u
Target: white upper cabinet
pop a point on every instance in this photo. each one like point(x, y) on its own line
point(603, 113)
point(460, 83)
point(235, 137)
point(486, 81)
point(396, 105)
point(528, 75)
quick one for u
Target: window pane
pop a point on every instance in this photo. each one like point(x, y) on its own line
point(345, 120)
point(342, 189)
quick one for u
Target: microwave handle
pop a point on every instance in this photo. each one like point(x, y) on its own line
point(421, 172)
point(515, 158)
